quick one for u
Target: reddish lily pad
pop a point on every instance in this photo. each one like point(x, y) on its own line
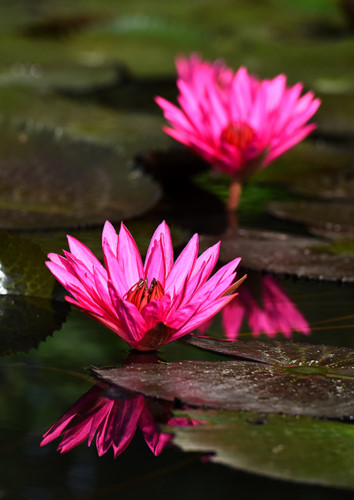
point(286, 354)
point(284, 254)
point(52, 181)
point(309, 380)
point(280, 446)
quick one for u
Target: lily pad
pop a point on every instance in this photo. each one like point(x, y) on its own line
point(55, 241)
point(48, 180)
point(64, 77)
point(306, 381)
point(280, 446)
point(329, 217)
point(286, 354)
point(28, 310)
point(22, 269)
point(284, 254)
point(27, 321)
point(328, 185)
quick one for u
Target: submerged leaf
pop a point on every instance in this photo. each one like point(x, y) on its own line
point(49, 180)
point(280, 446)
point(295, 384)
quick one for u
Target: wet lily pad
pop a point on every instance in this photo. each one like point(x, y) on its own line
point(308, 381)
point(329, 217)
point(281, 446)
point(28, 307)
point(48, 180)
point(284, 254)
point(286, 354)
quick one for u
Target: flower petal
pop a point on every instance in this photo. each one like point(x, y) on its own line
point(110, 238)
point(182, 267)
point(129, 257)
point(159, 256)
point(132, 321)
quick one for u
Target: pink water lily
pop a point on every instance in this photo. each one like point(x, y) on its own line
point(235, 121)
point(148, 304)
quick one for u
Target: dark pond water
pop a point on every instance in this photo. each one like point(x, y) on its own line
point(81, 142)
point(40, 386)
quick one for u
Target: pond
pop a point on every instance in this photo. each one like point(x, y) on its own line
point(81, 142)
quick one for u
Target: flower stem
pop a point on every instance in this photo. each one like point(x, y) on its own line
point(234, 195)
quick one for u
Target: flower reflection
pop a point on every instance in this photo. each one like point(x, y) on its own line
point(113, 415)
point(266, 306)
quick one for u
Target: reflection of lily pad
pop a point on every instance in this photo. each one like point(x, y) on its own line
point(303, 383)
point(27, 309)
point(51, 181)
point(284, 254)
point(331, 217)
point(281, 446)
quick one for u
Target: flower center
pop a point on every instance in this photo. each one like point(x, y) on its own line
point(240, 135)
point(141, 294)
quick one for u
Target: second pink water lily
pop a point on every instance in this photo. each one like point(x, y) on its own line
point(147, 304)
point(234, 120)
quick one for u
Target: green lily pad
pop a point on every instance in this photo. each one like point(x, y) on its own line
point(65, 77)
point(307, 380)
point(284, 254)
point(28, 309)
point(150, 25)
point(280, 446)
point(22, 269)
point(48, 180)
point(27, 321)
